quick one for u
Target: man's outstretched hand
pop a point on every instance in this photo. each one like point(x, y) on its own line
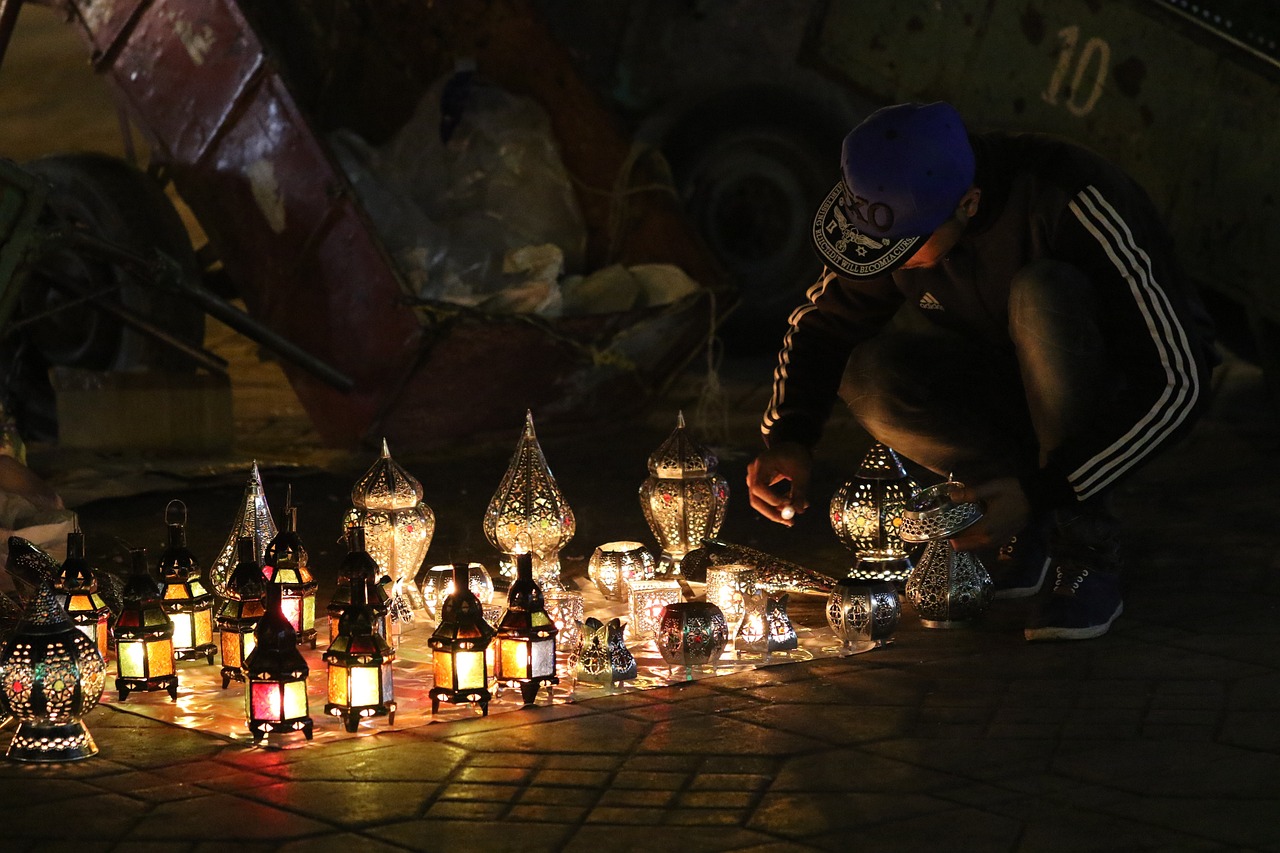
point(1005, 511)
point(786, 462)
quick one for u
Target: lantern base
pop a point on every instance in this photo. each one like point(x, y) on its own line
point(351, 717)
point(529, 689)
point(47, 742)
point(460, 697)
point(307, 636)
point(857, 647)
point(261, 728)
point(230, 674)
point(947, 623)
point(205, 650)
point(168, 683)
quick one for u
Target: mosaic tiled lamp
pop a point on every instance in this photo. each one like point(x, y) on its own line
point(947, 588)
point(183, 593)
point(358, 563)
point(683, 498)
point(460, 649)
point(286, 564)
point(276, 692)
point(51, 675)
point(144, 635)
point(253, 519)
point(77, 591)
point(528, 513)
point(866, 513)
point(525, 643)
point(398, 526)
point(361, 682)
point(243, 607)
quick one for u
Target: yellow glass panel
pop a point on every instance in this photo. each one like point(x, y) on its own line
point(159, 658)
point(175, 591)
point(131, 659)
point(308, 612)
point(203, 627)
point(365, 689)
point(295, 700)
point(470, 670)
point(443, 669)
point(338, 685)
point(514, 657)
point(231, 649)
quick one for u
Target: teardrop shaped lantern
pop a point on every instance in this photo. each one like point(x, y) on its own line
point(683, 498)
point(253, 519)
point(866, 514)
point(398, 526)
point(947, 587)
point(528, 513)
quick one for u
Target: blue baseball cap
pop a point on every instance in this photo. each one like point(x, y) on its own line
point(905, 167)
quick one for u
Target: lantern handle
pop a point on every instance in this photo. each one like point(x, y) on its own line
point(169, 507)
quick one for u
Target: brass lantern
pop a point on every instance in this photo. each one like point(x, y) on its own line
point(613, 565)
point(947, 587)
point(77, 591)
point(603, 656)
point(866, 513)
point(529, 514)
point(51, 675)
point(526, 639)
point(253, 519)
point(144, 635)
point(276, 694)
point(286, 565)
point(460, 649)
point(683, 499)
point(398, 526)
point(566, 609)
point(240, 612)
point(361, 684)
point(359, 564)
point(187, 602)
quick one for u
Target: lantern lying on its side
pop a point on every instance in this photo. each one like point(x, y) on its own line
point(77, 591)
point(144, 635)
point(683, 498)
point(359, 658)
point(866, 513)
point(286, 565)
point(460, 649)
point(239, 614)
point(185, 599)
point(526, 638)
point(276, 693)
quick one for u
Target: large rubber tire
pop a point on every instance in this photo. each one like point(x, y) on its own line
point(115, 201)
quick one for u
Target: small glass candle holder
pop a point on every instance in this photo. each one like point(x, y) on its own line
point(727, 588)
point(647, 601)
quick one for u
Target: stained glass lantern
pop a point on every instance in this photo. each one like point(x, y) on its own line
point(144, 635)
point(238, 617)
point(566, 609)
point(361, 683)
point(185, 598)
point(460, 649)
point(51, 675)
point(647, 600)
point(525, 654)
point(766, 628)
point(529, 514)
point(947, 588)
point(77, 591)
point(358, 563)
point(287, 566)
point(438, 585)
point(603, 657)
point(615, 564)
point(728, 585)
point(863, 614)
point(276, 693)
point(253, 519)
point(683, 498)
point(692, 633)
point(866, 513)
point(398, 526)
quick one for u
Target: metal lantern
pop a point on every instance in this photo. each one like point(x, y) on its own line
point(727, 588)
point(144, 635)
point(77, 591)
point(185, 598)
point(51, 675)
point(866, 513)
point(863, 614)
point(615, 564)
point(947, 587)
point(276, 692)
point(240, 612)
point(253, 519)
point(647, 600)
point(603, 656)
point(529, 514)
point(565, 607)
point(683, 498)
point(438, 585)
point(361, 684)
point(460, 650)
point(286, 566)
point(692, 633)
point(772, 573)
point(525, 653)
point(766, 627)
point(398, 526)
point(359, 564)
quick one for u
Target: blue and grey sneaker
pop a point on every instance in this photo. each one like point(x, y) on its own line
point(1086, 596)
point(1020, 567)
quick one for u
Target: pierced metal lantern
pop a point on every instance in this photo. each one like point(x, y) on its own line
point(276, 692)
point(863, 614)
point(647, 600)
point(359, 564)
point(528, 513)
point(866, 513)
point(525, 643)
point(683, 498)
point(765, 626)
point(947, 588)
point(398, 526)
point(772, 573)
point(728, 585)
point(51, 675)
point(77, 591)
point(613, 565)
point(144, 635)
point(460, 650)
point(185, 598)
point(286, 565)
point(361, 683)
point(566, 608)
point(240, 612)
point(603, 656)
point(253, 519)
point(692, 633)
point(438, 584)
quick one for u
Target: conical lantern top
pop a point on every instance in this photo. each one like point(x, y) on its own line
point(287, 546)
point(247, 581)
point(76, 575)
point(276, 642)
point(386, 485)
point(253, 519)
point(680, 457)
point(881, 463)
point(528, 512)
point(44, 614)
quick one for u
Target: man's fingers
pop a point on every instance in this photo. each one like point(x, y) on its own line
point(770, 511)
